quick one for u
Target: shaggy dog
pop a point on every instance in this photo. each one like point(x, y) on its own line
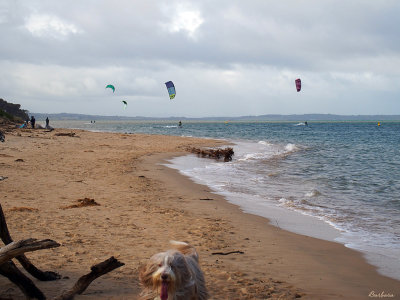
point(173, 275)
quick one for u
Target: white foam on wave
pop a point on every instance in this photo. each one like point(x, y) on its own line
point(262, 150)
point(264, 143)
point(252, 156)
point(313, 193)
point(291, 147)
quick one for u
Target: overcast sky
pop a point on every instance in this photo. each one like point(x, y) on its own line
point(225, 57)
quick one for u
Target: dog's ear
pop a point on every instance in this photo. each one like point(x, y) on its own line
point(145, 275)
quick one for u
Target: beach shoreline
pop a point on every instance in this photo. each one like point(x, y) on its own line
point(144, 204)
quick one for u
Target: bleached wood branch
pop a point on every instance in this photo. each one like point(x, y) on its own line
point(14, 249)
point(28, 288)
point(24, 261)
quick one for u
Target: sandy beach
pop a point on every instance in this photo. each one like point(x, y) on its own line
point(144, 204)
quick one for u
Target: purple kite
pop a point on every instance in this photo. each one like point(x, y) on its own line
point(298, 84)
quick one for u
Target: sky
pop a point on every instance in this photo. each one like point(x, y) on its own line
point(225, 57)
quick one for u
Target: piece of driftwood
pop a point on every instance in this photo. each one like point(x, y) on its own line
point(227, 253)
point(14, 249)
point(25, 284)
point(217, 153)
point(24, 261)
point(96, 271)
point(71, 134)
point(29, 289)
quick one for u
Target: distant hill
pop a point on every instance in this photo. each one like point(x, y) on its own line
point(323, 117)
point(82, 117)
point(276, 118)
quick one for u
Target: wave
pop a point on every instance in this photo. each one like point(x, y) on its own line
point(263, 150)
point(291, 147)
point(313, 193)
point(253, 156)
point(264, 143)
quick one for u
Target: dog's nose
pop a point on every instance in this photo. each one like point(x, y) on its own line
point(164, 276)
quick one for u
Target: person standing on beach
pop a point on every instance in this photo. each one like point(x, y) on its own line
point(33, 121)
point(47, 122)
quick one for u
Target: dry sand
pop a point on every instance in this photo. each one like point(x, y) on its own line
point(143, 205)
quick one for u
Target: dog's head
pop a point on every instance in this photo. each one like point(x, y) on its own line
point(165, 273)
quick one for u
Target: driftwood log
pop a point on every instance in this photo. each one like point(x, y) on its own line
point(25, 284)
point(97, 271)
point(23, 260)
point(227, 253)
point(71, 134)
point(17, 248)
point(217, 153)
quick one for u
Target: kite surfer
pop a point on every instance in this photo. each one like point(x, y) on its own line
point(180, 124)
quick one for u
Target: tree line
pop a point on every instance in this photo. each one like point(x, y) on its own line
point(12, 111)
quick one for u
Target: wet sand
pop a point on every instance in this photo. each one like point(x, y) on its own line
point(142, 205)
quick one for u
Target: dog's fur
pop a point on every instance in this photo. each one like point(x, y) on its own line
point(173, 275)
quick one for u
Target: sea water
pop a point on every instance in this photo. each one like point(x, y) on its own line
point(338, 181)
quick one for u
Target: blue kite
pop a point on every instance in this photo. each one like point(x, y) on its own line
point(171, 89)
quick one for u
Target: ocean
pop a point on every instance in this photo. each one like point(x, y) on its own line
point(338, 181)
